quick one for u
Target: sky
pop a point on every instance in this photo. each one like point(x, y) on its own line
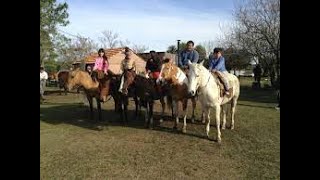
point(156, 24)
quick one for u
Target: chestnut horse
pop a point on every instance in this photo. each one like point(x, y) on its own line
point(78, 78)
point(178, 82)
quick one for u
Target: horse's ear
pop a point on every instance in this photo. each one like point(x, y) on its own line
point(201, 63)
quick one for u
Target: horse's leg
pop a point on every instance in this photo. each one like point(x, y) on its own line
point(218, 110)
point(185, 112)
point(194, 102)
point(206, 113)
point(90, 105)
point(224, 113)
point(233, 110)
point(163, 105)
point(175, 108)
point(151, 114)
point(137, 106)
point(203, 117)
point(99, 109)
point(125, 107)
point(146, 114)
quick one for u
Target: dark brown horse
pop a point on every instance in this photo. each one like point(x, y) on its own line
point(145, 89)
point(62, 79)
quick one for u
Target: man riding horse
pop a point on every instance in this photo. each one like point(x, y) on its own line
point(189, 53)
point(153, 68)
point(217, 66)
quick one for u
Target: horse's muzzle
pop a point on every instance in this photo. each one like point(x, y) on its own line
point(192, 93)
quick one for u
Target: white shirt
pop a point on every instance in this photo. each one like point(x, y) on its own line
point(43, 75)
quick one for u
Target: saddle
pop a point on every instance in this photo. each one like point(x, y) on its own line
point(221, 84)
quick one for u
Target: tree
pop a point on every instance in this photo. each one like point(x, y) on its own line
point(52, 14)
point(139, 48)
point(76, 50)
point(172, 49)
point(202, 52)
point(109, 39)
point(124, 43)
point(236, 59)
point(209, 46)
point(258, 32)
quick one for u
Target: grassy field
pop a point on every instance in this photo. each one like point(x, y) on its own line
point(71, 146)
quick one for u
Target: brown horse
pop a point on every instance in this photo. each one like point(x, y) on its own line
point(178, 82)
point(62, 79)
point(144, 89)
point(78, 78)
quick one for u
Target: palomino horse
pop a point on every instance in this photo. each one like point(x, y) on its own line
point(203, 82)
point(144, 89)
point(78, 78)
point(178, 82)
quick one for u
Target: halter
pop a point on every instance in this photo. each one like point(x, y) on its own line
point(207, 82)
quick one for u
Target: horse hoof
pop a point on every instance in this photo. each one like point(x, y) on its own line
point(184, 130)
point(223, 127)
point(99, 128)
point(219, 140)
point(232, 127)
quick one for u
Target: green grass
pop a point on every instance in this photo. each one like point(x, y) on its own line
point(71, 147)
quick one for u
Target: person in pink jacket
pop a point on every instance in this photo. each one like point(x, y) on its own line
point(101, 67)
point(101, 62)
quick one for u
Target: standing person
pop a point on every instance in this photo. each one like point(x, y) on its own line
point(189, 53)
point(43, 80)
point(257, 74)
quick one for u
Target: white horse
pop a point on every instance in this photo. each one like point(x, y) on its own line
point(205, 84)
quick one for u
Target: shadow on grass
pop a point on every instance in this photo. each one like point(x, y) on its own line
point(78, 115)
point(257, 95)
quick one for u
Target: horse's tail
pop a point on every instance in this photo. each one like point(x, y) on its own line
point(169, 101)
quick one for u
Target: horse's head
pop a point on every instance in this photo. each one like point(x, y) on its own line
point(194, 74)
point(77, 78)
point(168, 72)
point(128, 80)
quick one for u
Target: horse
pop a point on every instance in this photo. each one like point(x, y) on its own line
point(123, 100)
point(207, 86)
point(144, 89)
point(81, 78)
point(62, 78)
point(178, 82)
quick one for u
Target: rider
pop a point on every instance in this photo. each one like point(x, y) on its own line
point(101, 68)
point(217, 65)
point(189, 53)
point(153, 68)
point(128, 63)
point(153, 65)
